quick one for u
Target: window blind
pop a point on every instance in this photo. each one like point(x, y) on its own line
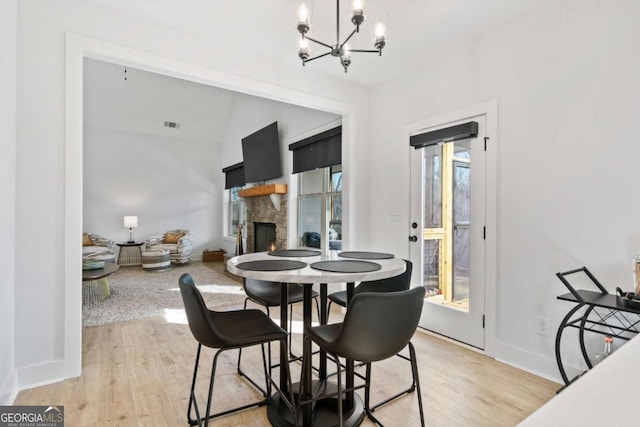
point(452, 133)
point(319, 151)
point(234, 176)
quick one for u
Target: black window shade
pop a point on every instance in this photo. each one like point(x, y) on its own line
point(319, 151)
point(234, 176)
point(452, 133)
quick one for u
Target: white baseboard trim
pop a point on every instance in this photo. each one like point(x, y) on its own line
point(535, 364)
point(39, 375)
point(9, 390)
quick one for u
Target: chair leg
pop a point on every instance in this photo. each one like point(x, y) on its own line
point(200, 421)
point(192, 396)
point(416, 385)
point(211, 381)
point(267, 372)
point(340, 410)
point(240, 350)
point(367, 394)
point(291, 355)
point(416, 378)
point(239, 369)
point(411, 388)
point(339, 394)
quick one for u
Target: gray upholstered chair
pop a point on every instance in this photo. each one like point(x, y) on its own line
point(179, 243)
point(97, 248)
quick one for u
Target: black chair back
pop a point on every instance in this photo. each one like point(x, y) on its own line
point(390, 284)
point(379, 325)
point(262, 291)
point(198, 315)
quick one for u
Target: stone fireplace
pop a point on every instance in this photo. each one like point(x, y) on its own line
point(260, 209)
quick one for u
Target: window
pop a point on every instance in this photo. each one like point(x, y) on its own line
point(237, 213)
point(320, 208)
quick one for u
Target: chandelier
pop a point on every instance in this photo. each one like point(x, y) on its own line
point(339, 49)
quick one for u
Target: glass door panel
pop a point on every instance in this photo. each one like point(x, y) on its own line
point(461, 233)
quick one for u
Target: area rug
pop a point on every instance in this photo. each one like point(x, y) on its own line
point(138, 294)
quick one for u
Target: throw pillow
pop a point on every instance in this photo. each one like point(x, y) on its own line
point(172, 237)
point(86, 241)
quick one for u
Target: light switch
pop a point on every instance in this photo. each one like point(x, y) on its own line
point(394, 217)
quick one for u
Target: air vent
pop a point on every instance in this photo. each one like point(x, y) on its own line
point(171, 125)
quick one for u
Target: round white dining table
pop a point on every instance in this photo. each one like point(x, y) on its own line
point(313, 415)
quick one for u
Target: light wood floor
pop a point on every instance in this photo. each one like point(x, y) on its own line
point(139, 374)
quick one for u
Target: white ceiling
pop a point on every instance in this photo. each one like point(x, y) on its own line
point(419, 30)
point(141, 101)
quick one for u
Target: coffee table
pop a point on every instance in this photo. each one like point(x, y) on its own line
point(95, 287)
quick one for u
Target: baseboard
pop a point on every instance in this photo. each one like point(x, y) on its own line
point(39, 375)
point(9, 390)
point(535, 364)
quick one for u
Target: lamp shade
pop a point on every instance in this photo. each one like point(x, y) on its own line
point(130, 221)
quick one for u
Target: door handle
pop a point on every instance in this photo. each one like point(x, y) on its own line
point(413, 238)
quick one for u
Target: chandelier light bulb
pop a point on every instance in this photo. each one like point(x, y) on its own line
point(346, 50)
point(379, 31)
point(303, 52)
point(357, 12)
point(345, 58)
point(303, 13)
point(357, 5)
point(303, 10)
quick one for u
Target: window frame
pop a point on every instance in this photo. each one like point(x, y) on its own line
point(325, 197)
point(236, 200)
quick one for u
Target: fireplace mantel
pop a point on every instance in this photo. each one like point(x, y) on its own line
point(263, 190)
point(271, 190)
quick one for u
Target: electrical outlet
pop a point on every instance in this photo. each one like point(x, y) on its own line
point(542, 326)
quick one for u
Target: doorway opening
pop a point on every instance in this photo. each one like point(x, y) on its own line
point(76, 49)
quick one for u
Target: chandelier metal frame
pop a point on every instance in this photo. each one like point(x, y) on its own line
point(339, 49)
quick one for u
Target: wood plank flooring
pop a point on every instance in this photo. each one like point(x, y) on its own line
point(139, 374)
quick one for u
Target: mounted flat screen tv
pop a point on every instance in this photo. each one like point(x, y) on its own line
point(261, 154)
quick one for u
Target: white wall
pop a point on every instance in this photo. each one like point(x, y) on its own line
point(8, 31)
point(249, 114)
point(569, 108)
point(134, 165)
point(40, 213)
point(168, 182)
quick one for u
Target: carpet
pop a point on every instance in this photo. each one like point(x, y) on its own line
point(137, 294)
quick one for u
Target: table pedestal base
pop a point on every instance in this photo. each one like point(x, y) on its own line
point(325, 412)
point(94, 291)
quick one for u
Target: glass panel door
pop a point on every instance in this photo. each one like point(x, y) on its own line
point(448, 198)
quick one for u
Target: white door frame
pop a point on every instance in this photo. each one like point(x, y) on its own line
point(490, 109)
point(78, 47)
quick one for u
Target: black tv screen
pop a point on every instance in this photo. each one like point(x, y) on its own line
point(261, 154)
